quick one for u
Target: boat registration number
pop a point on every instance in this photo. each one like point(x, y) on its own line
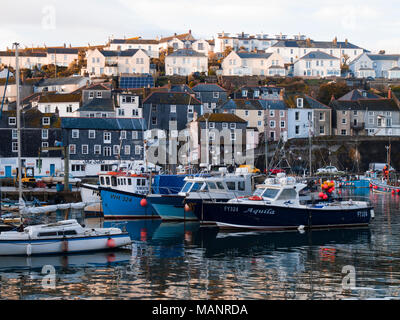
point(362, 214)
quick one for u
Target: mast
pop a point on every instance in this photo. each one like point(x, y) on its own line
point(18, 123)
point(310, 146)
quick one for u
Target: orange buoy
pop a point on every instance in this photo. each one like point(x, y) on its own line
point(111, 243)
point(143, 234)
point(187, 208)
point(143, 202)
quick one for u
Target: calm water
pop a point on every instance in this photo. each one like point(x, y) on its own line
point(184, 261)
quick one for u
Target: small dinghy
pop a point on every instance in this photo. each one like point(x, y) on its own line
point(62, 237)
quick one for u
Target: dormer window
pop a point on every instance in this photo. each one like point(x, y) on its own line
point(300, 103)
point(99, 94)
point(12, 121)
point(244, 93)
point(46, 121)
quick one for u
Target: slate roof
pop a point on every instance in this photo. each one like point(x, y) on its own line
point(186, 53)
point(135, 41)
point(308, 102)
point(357, 94)
point(253, 55)
point(23, 54)
point(319, 55)
point(273, 104)
point(58, 97)
point(60, 81)
point(104, 123)
point(208, 87)
point(366, 104)
point(183, 36)
point(315, 44)
point(97, 104)
point(125, 53)
point(384, 56)
point(241, 104)
point(174, 98)
point(222, 117)
point(62, 51)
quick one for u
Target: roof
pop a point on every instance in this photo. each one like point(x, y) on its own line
point(124, 53)
point(97, 87)
point(61, 81)
point(366, 104)
point(23, 54)
point(104, 123)
point(134, 41)
point(183, 36)
point(319, 55)
point(171, 98)
point(383, 56)
point(308, 102)
point(97, 104)
point(315, 44)
point(241, 104)
point(208, 87)
point(133, 82)
point(358, 94)
point(63, 50)
point(273, 104)
point(253, 55)
point(222, 117)
point(186, 53)
point(58, 97)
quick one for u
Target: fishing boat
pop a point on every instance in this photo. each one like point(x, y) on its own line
point(220, 188)
point(62, 237)
point(276, 205)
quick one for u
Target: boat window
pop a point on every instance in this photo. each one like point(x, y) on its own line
point(130, 182)
point(220, 185)
point(67, 233)
point(118, 181)
point(47, 234)
point(288, 194)
point(186, 187)
point(108, 180)
point(212, 185)
point(241, 186)
point(231, 185)
point(102, 180)
point(196, 187)
point(114, 181)
point(270, 193)
point(258, 192)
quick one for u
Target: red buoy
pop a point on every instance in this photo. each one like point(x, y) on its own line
point(187, 208)
point(111, 243)
point(143, 202)
point(143, 234)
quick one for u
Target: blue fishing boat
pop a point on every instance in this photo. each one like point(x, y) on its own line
point(276, 205)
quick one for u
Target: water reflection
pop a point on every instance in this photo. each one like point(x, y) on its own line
point(186, 261)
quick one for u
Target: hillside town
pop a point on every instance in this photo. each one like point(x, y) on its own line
point(114, 101)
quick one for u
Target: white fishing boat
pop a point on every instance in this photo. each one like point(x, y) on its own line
point(62, 237)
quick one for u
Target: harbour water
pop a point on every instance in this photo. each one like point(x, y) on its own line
point(186, 261)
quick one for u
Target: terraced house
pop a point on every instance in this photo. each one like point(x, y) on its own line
point(211, 95)
point(95, 144)
point(376, 66)
point(317, 64)
point(184, 62)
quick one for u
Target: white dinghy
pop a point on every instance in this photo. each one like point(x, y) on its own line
point(63, 237)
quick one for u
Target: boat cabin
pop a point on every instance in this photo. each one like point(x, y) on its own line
point(125, 181)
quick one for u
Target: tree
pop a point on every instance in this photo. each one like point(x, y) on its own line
point(227, 51)
point(327, 90)
point(344, 66)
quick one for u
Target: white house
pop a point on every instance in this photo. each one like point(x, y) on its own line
point(151, 46)
point(177, 41)
point(317, 64)
point(61, 85)
point(62, 56)
point(65, 104)
point(128, 106)
point(376, 65)
point(292, 50)
point(185, 61)
point(113, 63)
point(248, 63)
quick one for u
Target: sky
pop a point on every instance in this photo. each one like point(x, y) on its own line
point(370, 24)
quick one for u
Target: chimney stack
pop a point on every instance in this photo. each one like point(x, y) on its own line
point(390, 93)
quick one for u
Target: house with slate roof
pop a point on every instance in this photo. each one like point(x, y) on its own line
point(376, 66)
point(177, 41)
point(211, 95)
point(65, 105)
point(307, 116)
point(114, 63)
point(61, 85)
point(97, 102)
point(62, 56)
point(317, 64)
point(219, 125)
point(293, 50)
point(151, 46)
point(259, 92)
point(97, 143)
point(253, 64)
point(361, 113)
point(185, 62)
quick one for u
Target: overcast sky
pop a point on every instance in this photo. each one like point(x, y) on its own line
point(371, 24)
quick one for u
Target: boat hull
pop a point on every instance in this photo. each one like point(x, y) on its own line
point(125, 205)
point(268, 217)
point(355, 184)
point(170, 207)
point(380, 187)
point(11, 247)
point(90, 193)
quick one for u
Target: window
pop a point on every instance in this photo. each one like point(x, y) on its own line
point(116, 149)
point(297, 116)
point(173, 109)
point(297, 130)
point(190, 109)
point(344, 121)
point(259, 113)
point(321, 130)
point(211, 125)
point(46, 121)
point(281, 114)
point(154, 121)
point(85, 149)
point(15, 147)
point(127, 149)
point(216, 95)
point(45, 134)
point(224, 125)
point(75, 134)
point(12, 121)
point(272, 124)
point(14, 134)
point(107, 137)
point(321, 116)
point(99, 94)
point(233, 136)
point(138, 150)
point(343, 132)
point(91, 94)
point(233, 125)
point(123, 135)
point(282, 124)
point(92, 134)
point(355, 113)
point(121, 112)
point(47, 109)
point(107, 151)
point(211, 136)
point(69, 109)
point(72, 149)
point(97, 149)
point(246, 113)
point(231, 185)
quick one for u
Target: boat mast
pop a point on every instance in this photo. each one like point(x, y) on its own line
point(18, 123)
point(310, 146)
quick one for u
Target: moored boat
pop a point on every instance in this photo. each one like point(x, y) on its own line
point(276, 205)
point(62, 237)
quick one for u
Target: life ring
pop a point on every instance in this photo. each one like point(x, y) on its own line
point(255, 198)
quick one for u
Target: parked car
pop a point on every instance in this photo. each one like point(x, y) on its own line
point(328, 169)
